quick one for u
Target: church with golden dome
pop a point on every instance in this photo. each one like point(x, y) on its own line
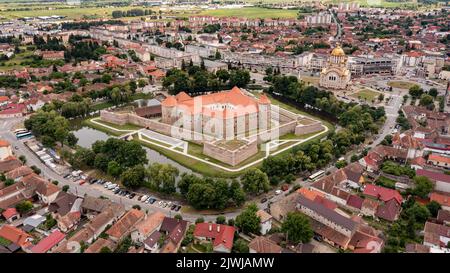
point(335, 75)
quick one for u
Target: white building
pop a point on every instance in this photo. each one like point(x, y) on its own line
point(5, 149)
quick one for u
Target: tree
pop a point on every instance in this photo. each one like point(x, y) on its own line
point(237, 194)
point(423, 186)
point(255, 181)
point(381, 97)
point(23, 159)
point(433, 92)
point(239, 78)
point(133, 177)
point(24, 207)
point(71, 139)
point(433, 207)
point(415, 91)
point(65, 188)
point(248, 221)
point(199, 220)
point(9, 182)
point(186, 181)
point(105, 249)
point(426, 100)
point(114, 168)
point(297, 228)
point(418, 213)
point(163, 177)
point(221, 219)
point(240, 246)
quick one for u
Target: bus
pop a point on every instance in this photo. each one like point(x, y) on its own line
point(24, 135)
point(20, 131)
point(315, 176)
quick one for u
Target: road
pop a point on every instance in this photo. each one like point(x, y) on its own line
point(339, 27)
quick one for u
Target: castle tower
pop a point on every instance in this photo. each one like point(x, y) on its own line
point(168, 110)
point(264, 113)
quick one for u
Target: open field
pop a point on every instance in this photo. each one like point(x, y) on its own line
point(401, 84)
point(70, 11)
point(252, 12)
point(366, 94)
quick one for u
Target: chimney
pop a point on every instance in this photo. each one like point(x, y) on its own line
point(218, 228)
point(210, 227)
point(323, 185)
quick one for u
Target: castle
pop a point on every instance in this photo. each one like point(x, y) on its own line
point(335, 75)
point(223, 115)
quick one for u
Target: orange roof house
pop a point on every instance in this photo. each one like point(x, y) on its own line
point(15, 235)
point(124, 225)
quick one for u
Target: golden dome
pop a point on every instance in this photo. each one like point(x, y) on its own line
point(338, 51)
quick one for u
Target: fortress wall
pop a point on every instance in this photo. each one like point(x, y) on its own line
point(308, 129)
point(232, 158)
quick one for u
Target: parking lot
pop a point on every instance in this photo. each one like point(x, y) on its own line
point(108, 187)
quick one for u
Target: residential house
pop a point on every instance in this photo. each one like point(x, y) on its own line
point(19, 173)
point(443, 217)
point(407, 141)
point(265, 220)
point(16, 236)
point(261, 244)
point(369, 207)
point(335, 228)
point(147, 226)
point(88, 233)
point(442, 199)
point(152, 242)
point(441, 180)
point(5, 149)
point(354, 201)
point(174, 229)
point(92, 206)
point(99, 244)
point(436, 236)
point(439, 160)
point(221, 235)
point(48, 243)
point(10, 163)
point(125, 224)
point(11, 215)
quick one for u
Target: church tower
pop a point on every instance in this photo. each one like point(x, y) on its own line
point(335, 75)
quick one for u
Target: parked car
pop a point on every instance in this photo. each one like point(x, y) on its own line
point(82, 182)
point(178, 208)
point(277, 192)
point(264, 200)
point(151, 200)
point(132, 195)
point(144, 198)
point(107, 184)
point(173, 207)
point(116, 191)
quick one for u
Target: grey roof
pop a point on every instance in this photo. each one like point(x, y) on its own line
point(327, 213)
point(34, 220)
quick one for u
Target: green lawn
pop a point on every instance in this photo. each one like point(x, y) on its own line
point(252, 12)
point(401, 84)
point(385, 182)
point(366, 94)
point(119, 127)
point(4, 242)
